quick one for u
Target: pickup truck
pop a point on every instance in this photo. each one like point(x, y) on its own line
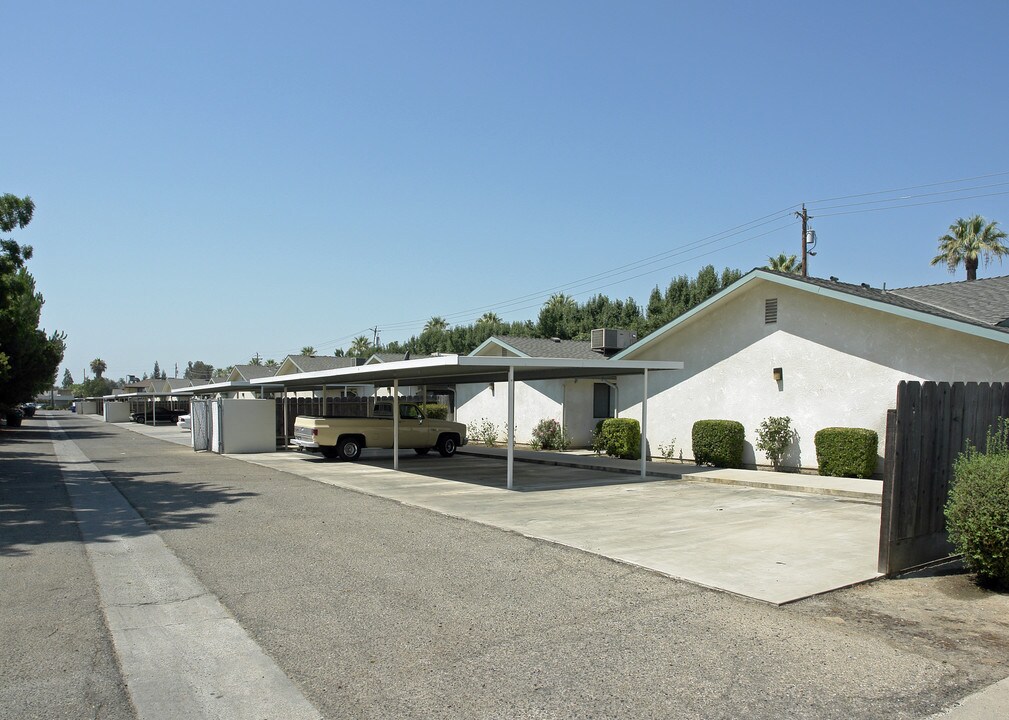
point(346, 437)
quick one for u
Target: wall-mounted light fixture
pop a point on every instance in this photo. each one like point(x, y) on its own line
point(778, 375)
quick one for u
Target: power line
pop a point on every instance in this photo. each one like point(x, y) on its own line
point(516, 304)
point(898, 207)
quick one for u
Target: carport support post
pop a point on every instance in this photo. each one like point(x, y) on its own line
point(644, 422)
point(511, 425)
point(283, 399)
point(395, 424)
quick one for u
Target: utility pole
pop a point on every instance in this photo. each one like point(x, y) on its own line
point(374, 331)
point(805, 221)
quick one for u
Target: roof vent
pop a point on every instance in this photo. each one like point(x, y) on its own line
point(555, 339)
point(770, 311)
point(865, 285)
point(611, 341)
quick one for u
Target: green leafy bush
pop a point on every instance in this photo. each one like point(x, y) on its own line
point(668, 451)
point(774, 436)
point(618, 437)
point(977, 512)
point(718, 443)
point(435, 411)
point(846, 452)
point(549, 435)
point(483, 430)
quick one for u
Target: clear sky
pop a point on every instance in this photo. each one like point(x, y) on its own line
point(218, 179)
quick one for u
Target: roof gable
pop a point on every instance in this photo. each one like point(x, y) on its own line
point(895, 302)
point(505, 345)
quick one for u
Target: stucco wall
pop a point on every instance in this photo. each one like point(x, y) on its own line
point(534, 401)
point(841, 364)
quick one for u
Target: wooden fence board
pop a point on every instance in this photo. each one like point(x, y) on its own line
point(925, 434)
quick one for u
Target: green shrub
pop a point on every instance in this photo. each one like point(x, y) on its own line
point(718, 443)
point(549, 435)
point(774, 436)
point(668, 451)
point(846, 452)
point(435, 411)
point(977, 512)
point(618, 437)
point(483, 430)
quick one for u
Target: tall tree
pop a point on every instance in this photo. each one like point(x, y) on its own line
point(29, 358)
point(436, 324)
point(557, 317)
point(198, 370)
point(784, 263)
point(308, 350)
point(68, 379)
point(489, 318)
point(255, 360)
point(969, 241)
point(360, 347)
point(271, 363)
point(98, 367)
point(156, 375)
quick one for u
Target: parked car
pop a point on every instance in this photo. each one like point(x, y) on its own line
point(29, 409)
point(185, 422)
point(161, 415)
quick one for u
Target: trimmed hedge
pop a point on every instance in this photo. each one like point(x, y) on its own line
point(618, 437)
point(435, 411)
point(846, 452)
point(718, 443)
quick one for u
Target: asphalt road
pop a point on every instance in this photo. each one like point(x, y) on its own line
point(377, 610)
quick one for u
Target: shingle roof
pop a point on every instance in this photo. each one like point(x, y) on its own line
point(985, 300)
point(314, 363)
point(549, 348)
point(963, 301)
point(248, 372)
point(176, 383)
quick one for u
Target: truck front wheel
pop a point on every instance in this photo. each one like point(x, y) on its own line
point(447, 445)
point(348, 449)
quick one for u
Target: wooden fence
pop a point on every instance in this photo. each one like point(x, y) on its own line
point(930, 427)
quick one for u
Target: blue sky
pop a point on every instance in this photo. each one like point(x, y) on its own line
point(215, 180)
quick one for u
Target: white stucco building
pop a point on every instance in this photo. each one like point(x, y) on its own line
point(838, 349)
point(822, 352)
point(575, 403)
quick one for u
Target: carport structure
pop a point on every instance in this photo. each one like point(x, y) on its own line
point(463, 369)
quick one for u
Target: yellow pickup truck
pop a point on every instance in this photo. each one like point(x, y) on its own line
point(346, 437)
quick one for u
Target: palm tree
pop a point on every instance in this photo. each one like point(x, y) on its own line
point(98, 366)
point(271, 363)
point(436, 324)
point(783, 263)
point(968, 241)
point(360, 347)
point(489, 318)
point(308, 350)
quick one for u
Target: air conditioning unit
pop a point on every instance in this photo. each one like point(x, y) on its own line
point(609, 341)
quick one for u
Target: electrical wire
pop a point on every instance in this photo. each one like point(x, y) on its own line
point(620, 274)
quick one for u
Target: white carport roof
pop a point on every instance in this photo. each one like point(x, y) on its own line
point(456, 369)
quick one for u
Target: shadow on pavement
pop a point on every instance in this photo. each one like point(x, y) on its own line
point(492, 472)
point(35, 508)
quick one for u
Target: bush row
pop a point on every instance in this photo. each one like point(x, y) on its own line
point(840, 452)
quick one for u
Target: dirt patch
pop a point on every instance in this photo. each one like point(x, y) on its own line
point(941, 614)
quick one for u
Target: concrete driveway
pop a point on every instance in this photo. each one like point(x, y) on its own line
point(771, 545)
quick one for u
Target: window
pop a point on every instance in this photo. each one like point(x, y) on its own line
point(770, 311)
point(602, 400)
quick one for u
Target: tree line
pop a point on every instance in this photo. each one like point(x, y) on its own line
point(562, 317)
